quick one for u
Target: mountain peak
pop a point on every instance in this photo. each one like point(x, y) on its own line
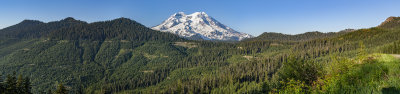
point(179, 14)
point(390, 22)
point(26, 21)
point(123, 19)
point(391, 18)
point(199, 14)
point(71, 20)
point(199, 25)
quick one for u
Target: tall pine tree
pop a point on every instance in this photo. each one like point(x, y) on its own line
point(61, 89)
point(19, 84)
point(2, 86)
point(11, 84)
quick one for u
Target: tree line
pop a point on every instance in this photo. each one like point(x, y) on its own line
point(22, 85)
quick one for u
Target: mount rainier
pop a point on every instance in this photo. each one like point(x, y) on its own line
point(199, 26)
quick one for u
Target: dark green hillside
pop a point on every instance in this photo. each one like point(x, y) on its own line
point(120, 29)
point(71, 29)
point(299, 37)
point(35, 29)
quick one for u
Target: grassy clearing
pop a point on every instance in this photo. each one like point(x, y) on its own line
point(186, 44)
point(377, 74)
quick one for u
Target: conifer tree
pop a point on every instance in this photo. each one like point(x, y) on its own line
point(361, 49)
point(264, 87)
point(80, 90)
point(61, 89)
point(179, 88)
point(19, 85)
point(27, 86)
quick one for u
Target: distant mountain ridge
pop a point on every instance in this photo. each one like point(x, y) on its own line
point(199, 26)
point(273, 36)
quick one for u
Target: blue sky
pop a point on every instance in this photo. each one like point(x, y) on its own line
point(249, 16)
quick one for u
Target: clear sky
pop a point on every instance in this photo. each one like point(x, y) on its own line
point(249, 16)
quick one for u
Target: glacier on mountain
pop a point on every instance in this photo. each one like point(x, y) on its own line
point(199, 26)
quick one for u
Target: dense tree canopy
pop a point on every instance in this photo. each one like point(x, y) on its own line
point(123, 56)
point(15, 85)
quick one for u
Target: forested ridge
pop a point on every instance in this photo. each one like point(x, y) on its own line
point(123, 56)
point(298, 37)
point(71, 29)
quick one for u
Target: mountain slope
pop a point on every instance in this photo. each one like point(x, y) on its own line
point(121, 29)
point(199, 26)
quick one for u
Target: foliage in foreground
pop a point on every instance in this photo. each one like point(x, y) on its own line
point(375, 74)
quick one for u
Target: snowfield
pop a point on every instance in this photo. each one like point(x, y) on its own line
point(199, 26)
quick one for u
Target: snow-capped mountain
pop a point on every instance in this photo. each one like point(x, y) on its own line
point(199, 26)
